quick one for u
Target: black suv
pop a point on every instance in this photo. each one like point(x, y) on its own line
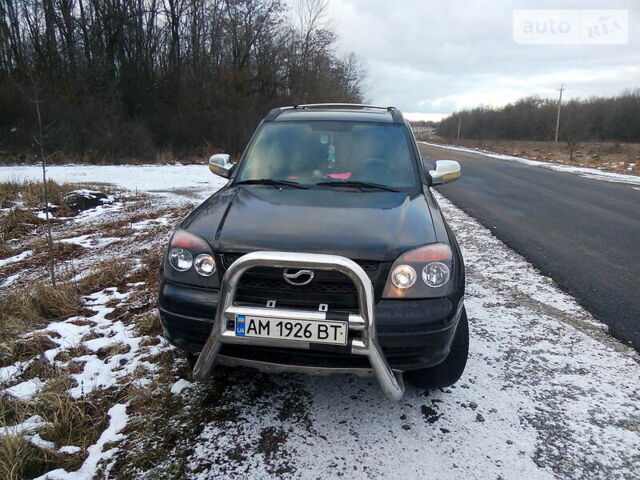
point(324, 253)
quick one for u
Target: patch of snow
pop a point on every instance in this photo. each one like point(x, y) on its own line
point(69, 449)
point(180, 385)
point(26, 390)
point(10, 280)
point(29, 425)
point(100, 373)
point(150, 222)
point(118, 420)
point(91, 241)
point(9, 373)
point(83, 192)
point(98, 212)
point(586, 172)
point(16, 258)
point(39, 442)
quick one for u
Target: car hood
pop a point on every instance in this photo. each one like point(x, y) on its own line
point(370, 225)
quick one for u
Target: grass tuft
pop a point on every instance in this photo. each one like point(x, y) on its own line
point(24, 349)
point(16, 223)
point(25, 310)
point(109, 273)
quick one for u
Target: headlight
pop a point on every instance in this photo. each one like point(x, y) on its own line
point(434, 262)
point(435, 274)
point(403, 276)
point(205, 265)
point(180, 259)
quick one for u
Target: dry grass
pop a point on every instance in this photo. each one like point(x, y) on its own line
point(23, 311)
point(31, 194)
point(149, 272)
point(18, 458)
point(72, 421)
point(6, 250)
point(77, 422)
point(16, 223)
point(62, 251)
point(148, 324)
point(23, 349)
point(109, 273)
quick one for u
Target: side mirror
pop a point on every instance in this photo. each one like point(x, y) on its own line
point(446, 171)
point(220, 165)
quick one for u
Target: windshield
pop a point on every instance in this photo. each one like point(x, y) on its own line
point(311, 153)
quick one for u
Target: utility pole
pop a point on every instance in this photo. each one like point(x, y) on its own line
point(558, 117)
point(459, 123)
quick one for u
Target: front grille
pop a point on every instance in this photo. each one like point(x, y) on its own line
point(260, 284)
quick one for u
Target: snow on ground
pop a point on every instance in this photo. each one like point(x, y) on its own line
point(27, 389)
point(117, 421)
point(547, 392)
point(168, 182)
point(16, 258)
point(90, 241)
point(586, 172)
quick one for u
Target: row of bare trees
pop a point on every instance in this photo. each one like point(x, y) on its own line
point(534, 118)
point(128, 78)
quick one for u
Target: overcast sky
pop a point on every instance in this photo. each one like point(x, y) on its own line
point(433, 57)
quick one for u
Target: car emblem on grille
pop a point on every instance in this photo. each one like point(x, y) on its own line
point(297, 277)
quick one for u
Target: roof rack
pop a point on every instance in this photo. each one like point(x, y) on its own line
point(343, 105)
point(395, 113)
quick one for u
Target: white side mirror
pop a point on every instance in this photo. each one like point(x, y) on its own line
point(446, 171)
point(220, 165)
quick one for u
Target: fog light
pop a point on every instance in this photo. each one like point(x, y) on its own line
point(205, 265)
point(435, 274)
point(180, 259)
point(403, 276)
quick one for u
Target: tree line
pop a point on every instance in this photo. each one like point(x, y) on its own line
point(131, 78)
point(533, 118)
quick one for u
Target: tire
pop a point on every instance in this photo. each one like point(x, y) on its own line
point(450, 370)
point(192, 358)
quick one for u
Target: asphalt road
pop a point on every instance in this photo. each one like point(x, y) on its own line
point(583, 233)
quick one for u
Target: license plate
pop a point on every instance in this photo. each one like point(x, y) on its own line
point(323, 331)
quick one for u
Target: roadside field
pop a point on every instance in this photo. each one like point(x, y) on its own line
point(606, 156)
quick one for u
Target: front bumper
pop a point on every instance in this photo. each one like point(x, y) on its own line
point(413, 334)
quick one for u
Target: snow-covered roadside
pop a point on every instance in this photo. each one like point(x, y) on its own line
point(593, 173)
point(547, 392)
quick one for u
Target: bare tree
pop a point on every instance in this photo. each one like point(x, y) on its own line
point(127, 78)
point(39, 141)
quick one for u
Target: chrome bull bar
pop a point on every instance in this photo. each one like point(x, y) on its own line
point(361, 326)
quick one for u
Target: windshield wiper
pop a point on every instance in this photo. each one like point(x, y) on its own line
point(350, 183)
point(272, 182)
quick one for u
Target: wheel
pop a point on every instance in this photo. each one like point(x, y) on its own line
point(192, 358)
point(450, 370)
